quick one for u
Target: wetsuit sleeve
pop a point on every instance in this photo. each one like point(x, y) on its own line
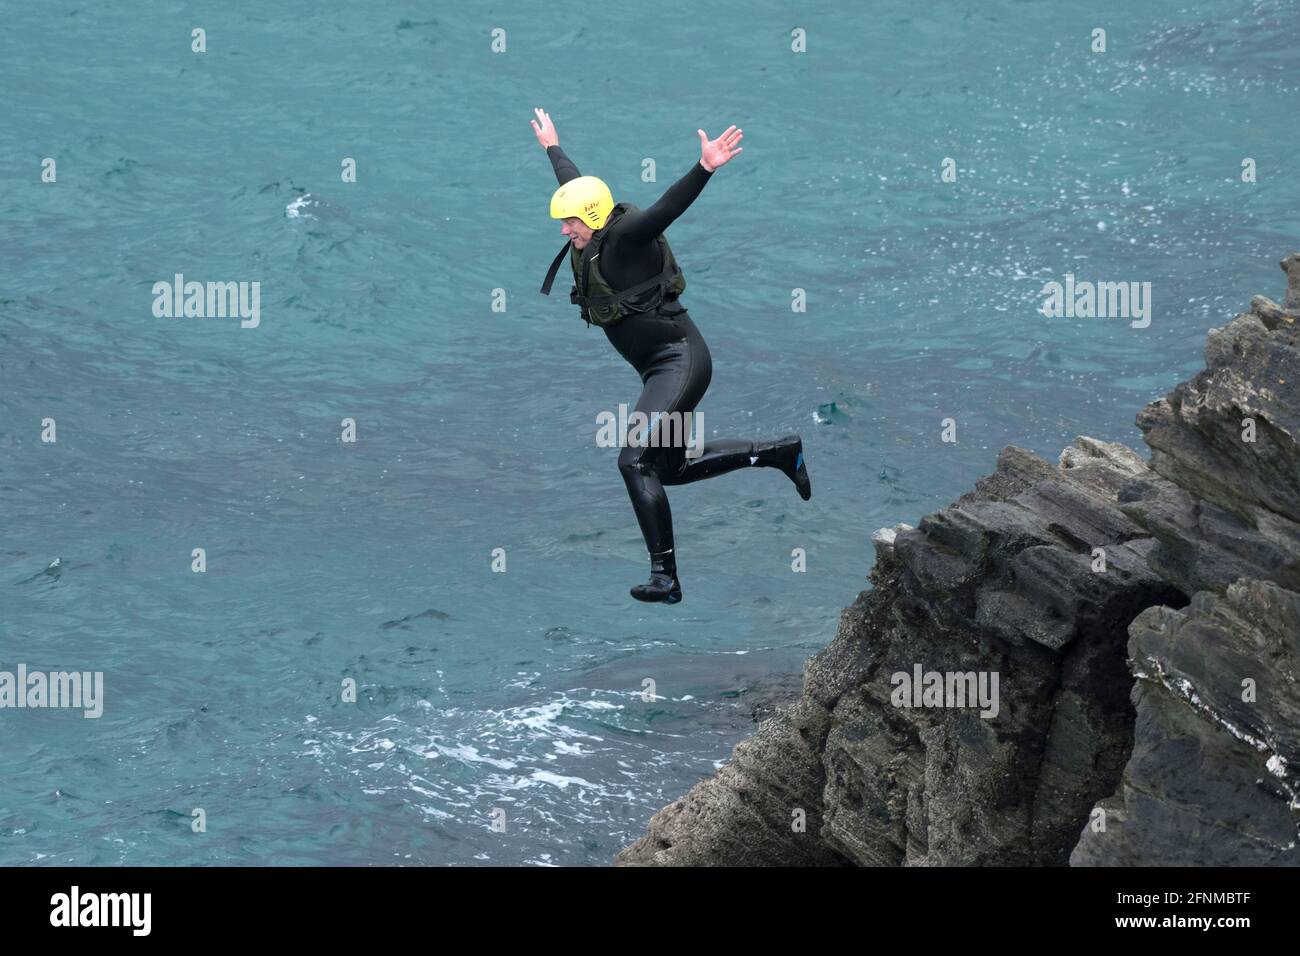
point(671, 204)
point(564, 168)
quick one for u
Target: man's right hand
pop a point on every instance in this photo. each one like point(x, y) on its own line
point(544, 129)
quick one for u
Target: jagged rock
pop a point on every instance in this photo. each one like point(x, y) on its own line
point(1212, 775)
point(1200, 546)
point(883, 539)
point(1003, 581)
point(1213, 779)
point(1222, 507)
point(747, 814)
point(1196, 434)
point(1036, 575)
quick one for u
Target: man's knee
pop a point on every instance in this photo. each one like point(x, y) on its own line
point(631, 462)
point(635, 463)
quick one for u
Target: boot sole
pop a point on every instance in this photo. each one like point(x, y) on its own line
point(673, 597)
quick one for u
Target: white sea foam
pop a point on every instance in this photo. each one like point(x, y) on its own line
point(295, 209)
point(470, 754)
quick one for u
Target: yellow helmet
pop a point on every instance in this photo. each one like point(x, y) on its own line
point(587, 198)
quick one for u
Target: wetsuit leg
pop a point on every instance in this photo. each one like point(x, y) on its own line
point(667, 385)
point(675, 375)
point(715, 458)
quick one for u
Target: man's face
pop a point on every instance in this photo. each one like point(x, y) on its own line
point(578, 231)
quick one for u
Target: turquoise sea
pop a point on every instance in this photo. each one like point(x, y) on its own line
point(502, 718)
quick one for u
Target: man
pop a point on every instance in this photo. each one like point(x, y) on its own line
point(627, 281)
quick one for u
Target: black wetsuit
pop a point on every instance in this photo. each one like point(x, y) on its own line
point(668, 352)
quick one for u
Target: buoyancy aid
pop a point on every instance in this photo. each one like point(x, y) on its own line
point(602, 304)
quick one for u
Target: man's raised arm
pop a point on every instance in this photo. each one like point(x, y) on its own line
point(678, 196)
point(550, 140)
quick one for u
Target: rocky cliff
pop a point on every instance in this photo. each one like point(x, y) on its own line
point(1135, 624)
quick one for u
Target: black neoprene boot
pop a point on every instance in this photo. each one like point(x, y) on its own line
point(663, 585)
point(787, 454)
